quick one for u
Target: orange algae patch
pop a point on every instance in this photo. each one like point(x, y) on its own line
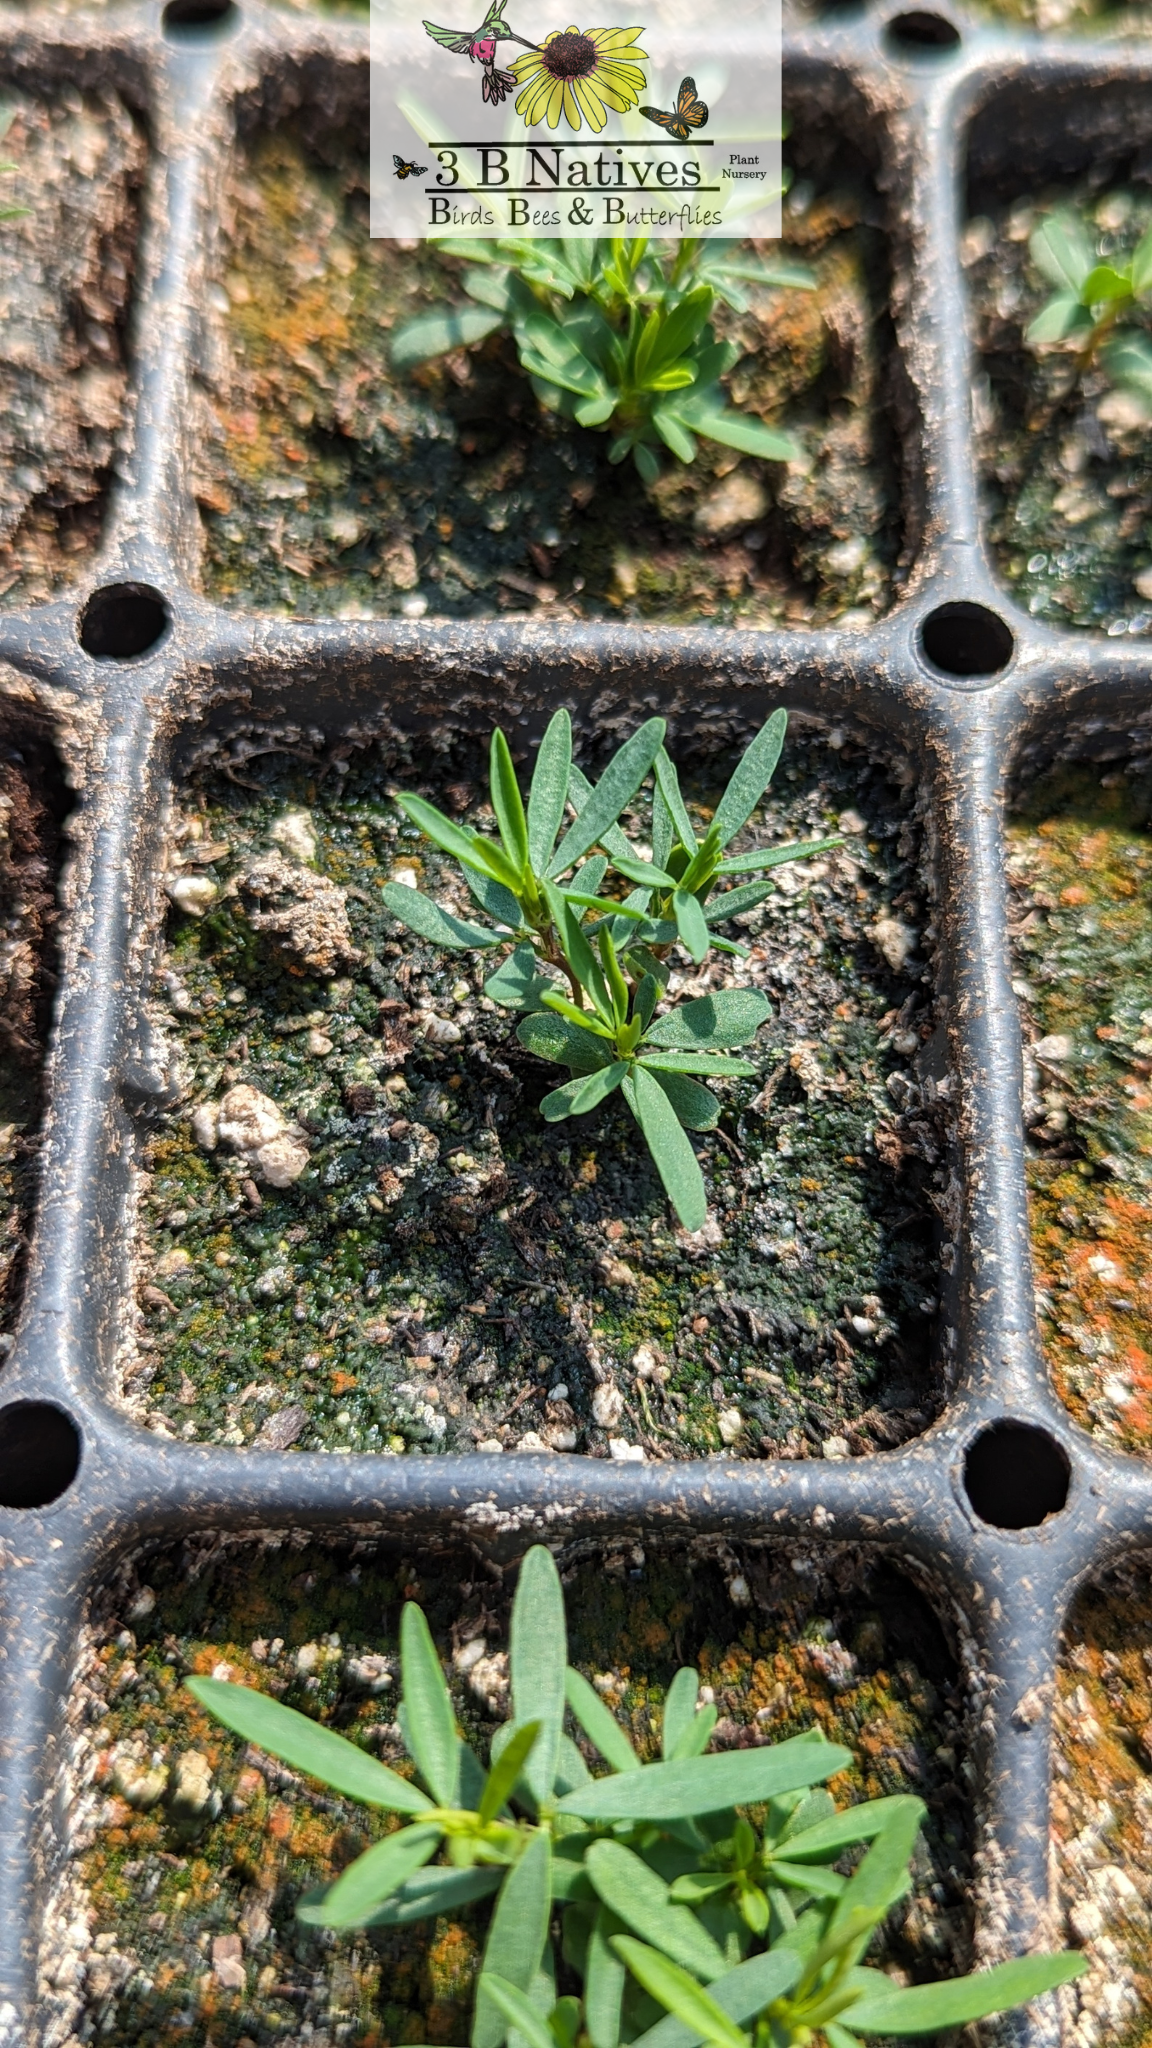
point(1080, 859)
point(1102, 1806)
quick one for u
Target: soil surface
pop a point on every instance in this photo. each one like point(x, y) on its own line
point(330, 484)
point(1067, 461)
point(65, 278)
point(442, 1268)
point(175, 1923)
point(1102, 1805)
point(29, 853)
point(1081, 865)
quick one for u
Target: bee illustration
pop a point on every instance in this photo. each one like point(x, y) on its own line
point(404, 170)
point(690, 112)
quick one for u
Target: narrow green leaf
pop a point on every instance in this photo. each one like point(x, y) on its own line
point(735, 430)
point(616, 787)
point(538, 1656)
point(430, 1720)
point(644, 872)
point(434, 1891)
point(579, 790)
point(731, 1017)
point(675, 1161)
point(751, 777)
point(599, 1723)
point(674, 1988)
point(742, 1993)
point(695, 1063)
point(517, 2010)
point(663, 830)
point(1105, 283)
point(374, 1876)
point(305, 1746)
point(707, 1784)
point(690, 923)
point(924, 2008)
point(493, 897)
point(506, 801)
point(516, 1936)
point(882, 1877)
point(604, 1977)
point(578, 952)
point(734, 902)
point(434, 334)
point(679, 1709)
point(673, 432)
point(838, 2036)
point(698, 1734)
point(647, 996)
point(422, 915)
point(585, 1093)
point(668, 783)
point(571, 1771)
point(1060, 316)
point(638, 1897)
point(775, 856)
point(808, 1877)
point(617, 986)
point(696, 1887)
point(506, 1770)
point(841, 1830)
point(517, 983)
point(567, 1044)
point(695, 1108)
point(1061, 251)
point(549, 792)
point(469, 848)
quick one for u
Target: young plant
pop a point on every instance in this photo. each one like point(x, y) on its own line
point(659, 1881)
point(617, 1045)
point(676, 884)
point(615, 335)
point(1098, 307)
point(515, 879)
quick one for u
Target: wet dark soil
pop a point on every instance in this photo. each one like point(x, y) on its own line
point(330, 484)
point(446, 1270)
point(171, 1932)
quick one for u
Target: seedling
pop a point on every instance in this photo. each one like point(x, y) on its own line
point(653, 1871)
point(1095, 302)
point(612, 952)
point(614, 335)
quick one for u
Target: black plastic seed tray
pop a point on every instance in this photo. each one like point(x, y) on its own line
point(1004, 1505)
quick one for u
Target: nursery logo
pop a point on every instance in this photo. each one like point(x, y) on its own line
point(519, 127)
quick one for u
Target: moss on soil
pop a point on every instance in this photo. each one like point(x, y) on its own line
point(450, 1269)
point(1081, 864)
point(65, 279)
point(328, 484)
point(1102, 1804)
point(855, 1650)
point(1067, 464)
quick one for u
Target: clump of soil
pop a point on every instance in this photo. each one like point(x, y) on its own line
point(190, 1851)
point(28, 858)
point(329, 483)
point(1081, 865)
point(65, 278)
point(1067, 461)
point(433, 1266)
point(1102, 1804)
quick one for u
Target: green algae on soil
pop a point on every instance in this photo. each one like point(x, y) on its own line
point(330, 484)
point(1067, 463)
point(1080, 859)
point(1102, 1804)
point(449, 1270)
point(189, 1899)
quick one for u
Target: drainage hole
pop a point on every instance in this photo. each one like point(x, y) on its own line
point(39, 1454)
point(921, 30)
point(186, 18)
point(122, 621)
point(966, 640)
point(1015, 1476)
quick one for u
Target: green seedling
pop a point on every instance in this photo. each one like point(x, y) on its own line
point(614, 335)
point(645, 1869)
point(1099, 308)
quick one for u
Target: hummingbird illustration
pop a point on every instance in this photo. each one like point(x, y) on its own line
point(479, 45)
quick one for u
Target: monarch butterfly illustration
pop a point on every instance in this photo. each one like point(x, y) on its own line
point(690, 112)
point(404, 170)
